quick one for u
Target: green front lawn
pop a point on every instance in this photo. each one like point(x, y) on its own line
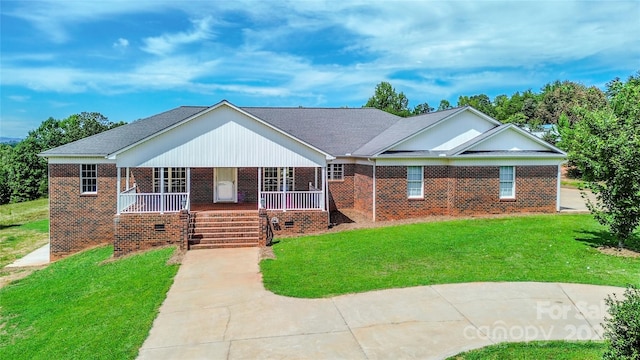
point(24, 227)
point(538, 350)
point(84, 308)
point(548, 248)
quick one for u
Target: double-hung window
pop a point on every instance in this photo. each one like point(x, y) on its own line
point(89, 178)
point(415, 182)
point(272, 179)
point(507, 182)
point(175, 180)
point(335, 172)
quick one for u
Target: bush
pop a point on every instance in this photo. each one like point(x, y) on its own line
point(622, 329)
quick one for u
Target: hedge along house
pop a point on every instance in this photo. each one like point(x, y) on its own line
point(223, 175)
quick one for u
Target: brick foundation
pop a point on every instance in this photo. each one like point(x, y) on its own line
point(304, 222)
point(77, 221)
point(135, 232)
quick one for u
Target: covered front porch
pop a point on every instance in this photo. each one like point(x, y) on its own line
point(175, 189)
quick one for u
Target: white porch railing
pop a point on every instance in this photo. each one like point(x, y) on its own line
point(132, 202)
point(292, 200)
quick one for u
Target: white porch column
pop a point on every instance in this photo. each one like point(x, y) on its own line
point(188, 188)
point(284, 188)
point(161, 190)
point(127, 174)
point(260, 188)
point(325, 193)
point(558, 178)
point(119, 170)
point(315, 184)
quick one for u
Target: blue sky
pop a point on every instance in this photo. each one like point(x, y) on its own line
point(133, 59)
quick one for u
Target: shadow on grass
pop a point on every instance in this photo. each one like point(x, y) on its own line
point(2, 227)
point(604, 238)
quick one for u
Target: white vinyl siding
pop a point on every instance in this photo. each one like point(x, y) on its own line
point(175, 180)
point(335, 172)
point(507, 182)
point(415, 181)
point(272, 179)
point(88, 178)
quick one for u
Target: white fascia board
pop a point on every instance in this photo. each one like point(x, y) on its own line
point(418, 132)
point(207, 110)
point(517, 129)
point(80, 160)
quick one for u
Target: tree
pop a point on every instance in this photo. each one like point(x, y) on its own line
point(559, 98)
point(5, 189)
point(27, 172)
point(444, 105)
point(423, 108)
point(605, 146)
point(480, 102)
point(387, 99)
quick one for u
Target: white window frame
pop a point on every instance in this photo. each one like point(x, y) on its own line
point(88, 178)
point(414, 181)
point(175, 179)
point(272, 178)
point(335, 172)
point(504, 181)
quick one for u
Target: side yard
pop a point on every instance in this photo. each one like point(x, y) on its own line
point(551, 248)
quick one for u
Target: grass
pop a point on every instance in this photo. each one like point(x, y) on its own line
point(24, 227)
point(552, 248)
point(537, 350)
point(84, 308)
point(572, 183)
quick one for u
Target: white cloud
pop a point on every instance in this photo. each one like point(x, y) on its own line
point(19, 98)
point(121, 43)
point(167, 43)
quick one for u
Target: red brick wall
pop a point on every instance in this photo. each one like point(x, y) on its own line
point(80, 221)
point(477, 190)
point(391, 193)
point(469, 190)
point(201, 185)
point(304, 222)
point(248, 185)
point(143, 178)
point(363, 189)
point(341, 192)
point(135, 232)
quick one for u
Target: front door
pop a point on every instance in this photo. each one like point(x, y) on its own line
point(225, 180)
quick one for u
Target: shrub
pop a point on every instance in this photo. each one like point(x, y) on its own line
point(622, 329)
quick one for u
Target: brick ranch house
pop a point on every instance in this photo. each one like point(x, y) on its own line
point(233, 176)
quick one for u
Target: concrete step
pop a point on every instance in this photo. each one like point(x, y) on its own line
point(238, 235)
point(228, 240)
point(222, 246)
point(224, 224)
point(225, 229)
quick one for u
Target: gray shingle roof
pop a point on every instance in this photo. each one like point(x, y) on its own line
point(337, 131)
point(402, 130)
point(116, 139)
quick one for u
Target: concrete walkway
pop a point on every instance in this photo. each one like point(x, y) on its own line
point(38, 257)
point(571, 200)
point(217, 308)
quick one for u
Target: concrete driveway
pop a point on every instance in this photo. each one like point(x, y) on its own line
point(217, 308)
point(571, 200)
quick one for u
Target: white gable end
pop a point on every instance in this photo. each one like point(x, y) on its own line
point(448, 134)
point(509, 140)
point(223, 137)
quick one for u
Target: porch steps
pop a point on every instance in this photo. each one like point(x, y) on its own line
point(224, 229)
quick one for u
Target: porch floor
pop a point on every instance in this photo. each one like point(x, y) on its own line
point(223, 206)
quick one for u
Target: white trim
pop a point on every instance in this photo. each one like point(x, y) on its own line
point(558, 187)
point(513, 183)
point(118, 182)
point(259, 187)
point(517, 129)
point(421, 195)
point(374, 192)
point(80, 160)
point(452, 115)
point(210, 109)
point(234, 194)
point(82, 192)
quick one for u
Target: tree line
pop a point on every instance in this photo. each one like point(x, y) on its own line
point(23, 174)
point(527, 108)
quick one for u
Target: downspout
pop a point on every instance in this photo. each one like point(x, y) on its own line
point(558, 187)
point(373, 196)
point(118, 180)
